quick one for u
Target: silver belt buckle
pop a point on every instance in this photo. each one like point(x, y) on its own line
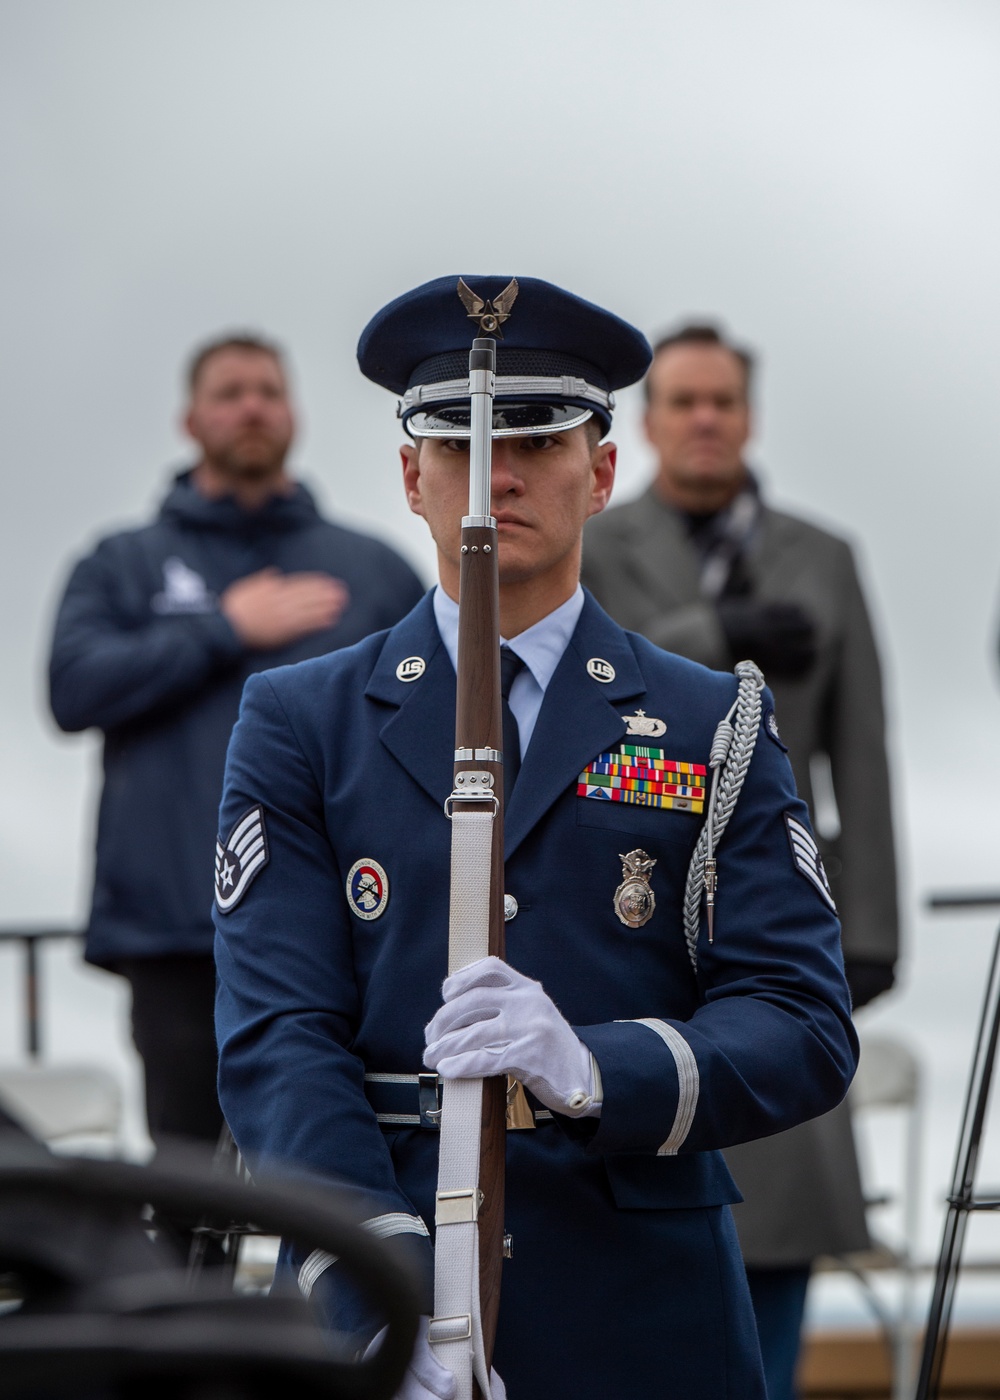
point(429, 1100)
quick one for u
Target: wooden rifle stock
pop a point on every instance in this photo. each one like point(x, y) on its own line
point(478, 731)
point(479, 725)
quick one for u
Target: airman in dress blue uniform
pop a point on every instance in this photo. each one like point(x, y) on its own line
point(644, 1051)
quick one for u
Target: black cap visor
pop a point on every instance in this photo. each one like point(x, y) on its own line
point(509, 420)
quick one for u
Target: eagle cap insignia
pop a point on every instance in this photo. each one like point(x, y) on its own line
point(634, 899)
point(490, 314)
point(641, 723)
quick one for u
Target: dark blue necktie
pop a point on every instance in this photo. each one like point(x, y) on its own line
point(510, 665)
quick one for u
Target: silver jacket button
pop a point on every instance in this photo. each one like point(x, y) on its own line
point(509, 908)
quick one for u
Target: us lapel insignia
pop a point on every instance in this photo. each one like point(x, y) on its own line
point(367, 888)
point(634, 898)
point(241, 859)
point(600, 670)
point(643, 724)
point(411, 668)
point(641, 775)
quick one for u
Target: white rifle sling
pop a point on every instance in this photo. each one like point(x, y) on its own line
point(456, 1328)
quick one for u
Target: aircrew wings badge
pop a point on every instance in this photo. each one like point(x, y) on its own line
point(241, 859)
point(807, 858)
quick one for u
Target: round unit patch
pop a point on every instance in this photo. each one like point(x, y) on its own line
point(367, 888)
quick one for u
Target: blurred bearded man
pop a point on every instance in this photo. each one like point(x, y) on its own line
point(157, 631)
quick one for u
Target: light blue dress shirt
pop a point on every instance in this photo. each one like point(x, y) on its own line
point(540, 648)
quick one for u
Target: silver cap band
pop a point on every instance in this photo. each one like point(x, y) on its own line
point(509, 386)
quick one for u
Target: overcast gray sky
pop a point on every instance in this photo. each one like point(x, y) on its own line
point(821, 176)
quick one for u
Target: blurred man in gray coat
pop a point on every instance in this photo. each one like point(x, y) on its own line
point(702, 566)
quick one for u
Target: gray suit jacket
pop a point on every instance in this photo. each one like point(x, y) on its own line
point(803, 1194)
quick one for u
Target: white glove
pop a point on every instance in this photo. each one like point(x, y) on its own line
point(426, 1378)
point(497, 1021)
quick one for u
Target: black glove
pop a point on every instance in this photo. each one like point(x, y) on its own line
point(867, 980)
point(780, 637)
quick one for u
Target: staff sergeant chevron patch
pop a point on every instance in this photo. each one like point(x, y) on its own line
point(241, 859)
point(807, 858)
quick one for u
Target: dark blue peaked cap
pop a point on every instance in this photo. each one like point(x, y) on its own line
point(556, 350)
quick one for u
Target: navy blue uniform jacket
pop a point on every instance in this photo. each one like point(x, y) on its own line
point(625, 1278)
point(142, 651)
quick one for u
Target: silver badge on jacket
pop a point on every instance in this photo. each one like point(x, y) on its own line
point(646, 725)
point(634, 898)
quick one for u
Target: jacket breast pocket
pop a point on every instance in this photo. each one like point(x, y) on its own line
point(641, 1181)
point(664, 825)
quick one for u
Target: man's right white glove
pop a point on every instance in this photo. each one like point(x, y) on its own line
point(426, 1378)
point(497, 1021)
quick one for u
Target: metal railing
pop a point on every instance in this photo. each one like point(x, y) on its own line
point(30, 939)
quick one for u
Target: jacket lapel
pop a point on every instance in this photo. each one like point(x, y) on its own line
point(779, 553)
point(420, 733)
point(580, 718)
point(661, 556)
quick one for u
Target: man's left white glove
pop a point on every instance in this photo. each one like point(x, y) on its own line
point(426, 1378)
point(497, 1021)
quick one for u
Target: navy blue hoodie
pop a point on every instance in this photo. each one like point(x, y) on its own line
point(142, 651)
